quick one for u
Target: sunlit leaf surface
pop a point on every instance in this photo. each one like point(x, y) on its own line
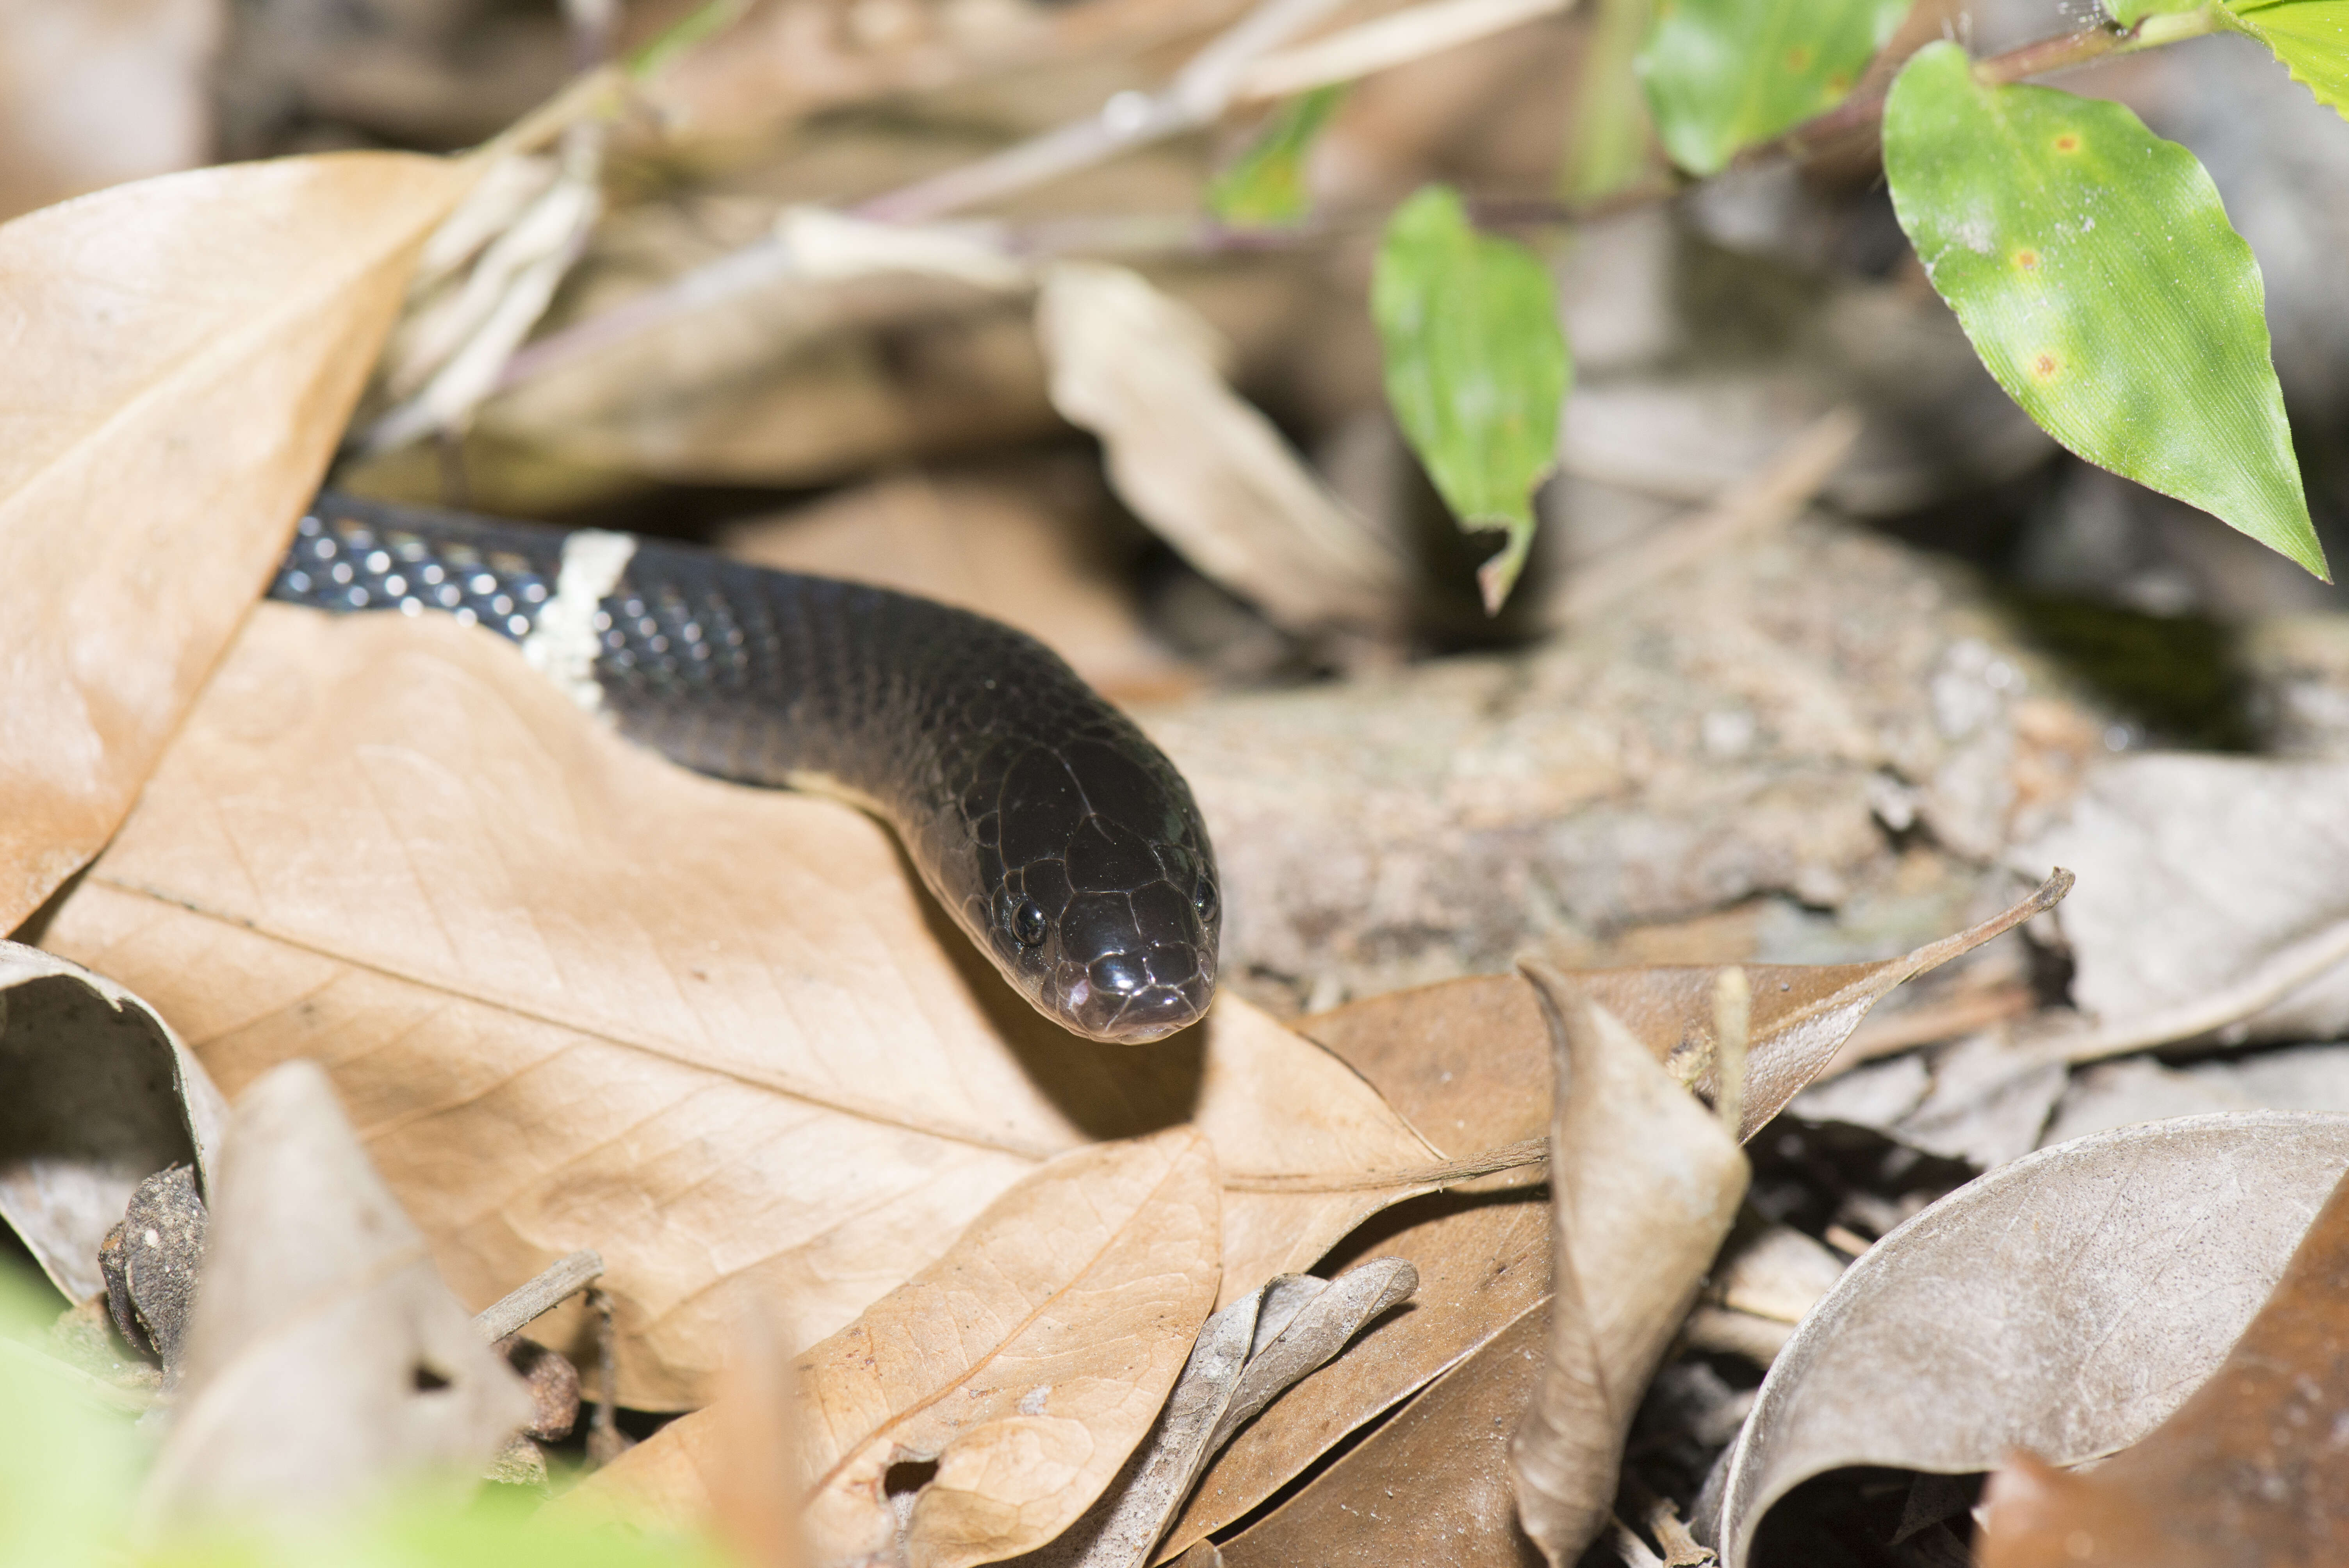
point(1722, 75)
point(2093, 266)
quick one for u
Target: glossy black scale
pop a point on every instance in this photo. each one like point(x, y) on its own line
point(1060, 837)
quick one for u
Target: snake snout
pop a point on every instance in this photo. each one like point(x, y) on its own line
point(1131, 970)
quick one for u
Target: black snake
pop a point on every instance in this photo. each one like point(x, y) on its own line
point(1046, 824)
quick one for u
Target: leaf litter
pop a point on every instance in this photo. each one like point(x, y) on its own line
point(236, 961)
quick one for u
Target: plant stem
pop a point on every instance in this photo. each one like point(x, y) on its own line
point(1197, 95)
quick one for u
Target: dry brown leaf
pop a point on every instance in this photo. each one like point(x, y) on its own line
point(1202, 467)
point(2250, 1470)
point(1025, 1364)
point(325, 1358)
point(1644, 1184)
point(1802, 1013)
point(579, 997)
point(1382, 1504)
point(97, 1094)
point(1027, 548)
point(2066, 1304)
point(1247, 1356)
point(102, 91)
point(1468, 1062)
point(185, 351)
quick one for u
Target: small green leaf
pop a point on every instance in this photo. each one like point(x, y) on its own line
point(2092, 267)
point(1266, 187)
point(2310, 36)
point(1725, 74)
point(1477, 369)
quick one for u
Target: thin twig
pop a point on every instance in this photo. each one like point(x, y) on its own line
point(562, 1280)
point(1747, 506)
point(1395, 39)
point(1213, 80)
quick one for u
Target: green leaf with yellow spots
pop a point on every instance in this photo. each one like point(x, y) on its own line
point(2310, 36)
point(1265, 186)
point(1477, 369)
point(2092, 267)
point(1725, 75)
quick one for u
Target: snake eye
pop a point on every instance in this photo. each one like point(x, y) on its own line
point(1203, 901)
point(1028, 922)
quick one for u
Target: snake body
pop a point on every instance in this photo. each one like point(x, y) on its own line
point(1049, 828)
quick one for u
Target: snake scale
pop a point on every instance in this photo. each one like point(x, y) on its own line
point(1048, 825)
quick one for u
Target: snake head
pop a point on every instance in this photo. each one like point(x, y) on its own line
point(1104, 908)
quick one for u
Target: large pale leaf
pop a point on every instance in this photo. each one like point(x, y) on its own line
point(1725, 74)
point(576, 996)
point(2310, 36)
point(2066, 1304)
point(2092, 264)
point(1477, 369)
point(182, 354)
point(2249, 1470)
point(1025, 1364)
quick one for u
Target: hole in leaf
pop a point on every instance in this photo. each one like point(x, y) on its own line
point(908, 1476)
point(427, 1379)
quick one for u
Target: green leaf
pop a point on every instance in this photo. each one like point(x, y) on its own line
point(1725, 74)
point(2310, 36)
point(2092, 267)
point(1477, 369)
point(1266, 187)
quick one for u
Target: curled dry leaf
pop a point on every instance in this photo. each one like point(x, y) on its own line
point(1375, 1507)
point(1247, 1356)
point(1801, 1014)
point(185, 353)
point(2065, 1304)
point(2250, 1470)
point(97, 1094)
point(1200, 465)
point(1644, 1184)
point(576, 996)
point(325, 1358)
point(1025, 1364)
point(1469, 1062)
